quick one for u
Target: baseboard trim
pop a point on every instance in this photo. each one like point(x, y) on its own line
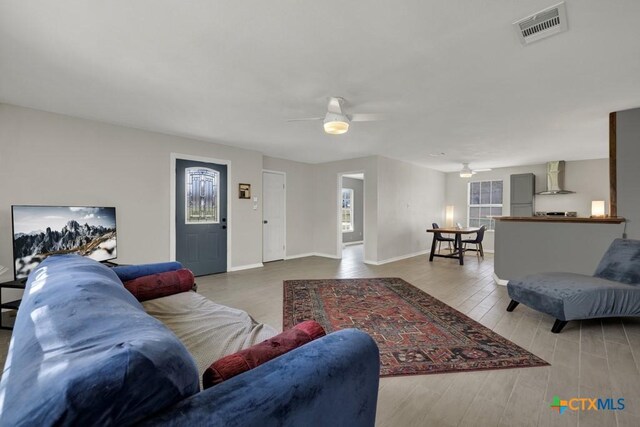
point(246, 267)
point(308, 254)
point(498, 280)
point(398, 258)
point(298, 256)
point(371, 262)
point(359, 242)
point(323, 255)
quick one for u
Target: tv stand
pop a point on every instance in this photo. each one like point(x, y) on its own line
point(7, 318)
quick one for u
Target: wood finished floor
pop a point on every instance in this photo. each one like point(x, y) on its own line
point(588, 359)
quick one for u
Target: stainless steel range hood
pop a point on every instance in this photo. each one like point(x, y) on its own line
point(555, 179)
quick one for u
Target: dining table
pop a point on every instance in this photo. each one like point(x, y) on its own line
point(458, 250)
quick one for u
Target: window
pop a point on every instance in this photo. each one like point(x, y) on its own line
point(202, 196)
point(347, 210)
point(485, 203)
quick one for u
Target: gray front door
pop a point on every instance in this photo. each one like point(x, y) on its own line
point(201, 216)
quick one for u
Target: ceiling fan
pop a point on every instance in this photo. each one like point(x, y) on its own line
point(336, 121)
point(467, 172)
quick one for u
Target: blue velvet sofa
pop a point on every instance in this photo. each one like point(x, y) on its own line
point(612, 291)
point(84, 352)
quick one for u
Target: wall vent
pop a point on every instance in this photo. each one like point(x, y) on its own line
point(543, 24)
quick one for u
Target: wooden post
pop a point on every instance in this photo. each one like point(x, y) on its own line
point(613, 177)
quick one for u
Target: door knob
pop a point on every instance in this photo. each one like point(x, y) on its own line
point(265, 221)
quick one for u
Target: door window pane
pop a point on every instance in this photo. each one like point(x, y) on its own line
point(202, 196)
point(347, 210)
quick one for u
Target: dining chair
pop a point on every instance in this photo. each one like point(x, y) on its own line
point(477, 241)
point(440, 238)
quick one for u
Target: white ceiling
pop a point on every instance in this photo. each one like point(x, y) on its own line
point(451, 75)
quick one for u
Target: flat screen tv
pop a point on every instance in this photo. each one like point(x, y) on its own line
point(41, 231)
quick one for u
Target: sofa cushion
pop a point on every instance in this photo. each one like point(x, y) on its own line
point(84, 352)
point(249, 358)
point(621, 262)
point(160, 284)
point(208, 330)
point(570, 296)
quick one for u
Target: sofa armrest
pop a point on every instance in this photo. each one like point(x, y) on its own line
point(332, 381)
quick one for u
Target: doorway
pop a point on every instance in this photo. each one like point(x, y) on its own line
point(273, 216)
point(351, 213)
point(201, 216)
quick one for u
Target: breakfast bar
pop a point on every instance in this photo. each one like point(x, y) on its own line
point(527, 245)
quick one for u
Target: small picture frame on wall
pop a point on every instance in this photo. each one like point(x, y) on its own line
point(244, 191)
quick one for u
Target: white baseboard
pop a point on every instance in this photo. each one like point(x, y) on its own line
point(359, 242)
point(498, 280)
point(246, 267)
point(308, 254)
point(326, 255)
point(488, 251)
point(298, 256)
point(398, 258)
point(371, 262)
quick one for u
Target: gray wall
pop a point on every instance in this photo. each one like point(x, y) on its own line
point(628, 169)
point(407, 197)
point(52, 159)
point(358, 208)
point(410, 198)
point(588, 178)
point(326, 180)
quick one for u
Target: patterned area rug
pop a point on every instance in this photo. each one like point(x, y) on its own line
point(416, 333)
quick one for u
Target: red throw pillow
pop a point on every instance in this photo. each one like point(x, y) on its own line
point(249, 358)
point(160, 284)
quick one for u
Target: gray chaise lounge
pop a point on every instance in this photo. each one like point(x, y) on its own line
point(613, 291)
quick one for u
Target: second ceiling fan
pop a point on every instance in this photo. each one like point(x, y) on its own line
point(467, 172)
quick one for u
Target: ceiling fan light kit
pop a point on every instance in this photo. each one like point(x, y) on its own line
point(336, 124)
point(466, 171)
point(336, 121)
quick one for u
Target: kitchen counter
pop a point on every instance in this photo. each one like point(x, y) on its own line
point(569, 219)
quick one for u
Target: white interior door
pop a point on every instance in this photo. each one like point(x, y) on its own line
point(273, 216)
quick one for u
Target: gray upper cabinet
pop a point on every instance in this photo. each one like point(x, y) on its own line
point(522, 193)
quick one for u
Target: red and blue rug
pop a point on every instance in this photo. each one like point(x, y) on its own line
point(416, 333)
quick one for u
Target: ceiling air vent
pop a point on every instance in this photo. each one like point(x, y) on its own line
point(547, 22)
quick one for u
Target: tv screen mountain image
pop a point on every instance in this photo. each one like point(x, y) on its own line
point(41, 231)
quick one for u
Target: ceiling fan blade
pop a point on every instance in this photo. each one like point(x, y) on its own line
point(306, 119)
point(366, 117)
point(482, 170)
point(335, 105)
